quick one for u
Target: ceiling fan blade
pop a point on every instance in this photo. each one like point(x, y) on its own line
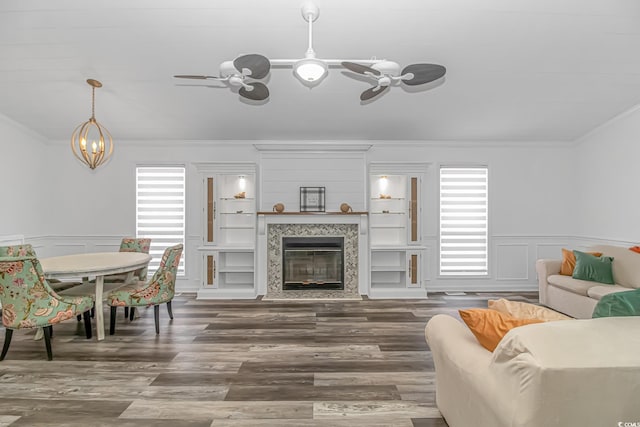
point(360, 69)
point(258, 65)
point(259, 92)
point(189, 76)
point(423, 73)
point(372, 92)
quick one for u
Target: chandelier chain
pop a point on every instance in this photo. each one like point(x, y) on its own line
point(93, 102)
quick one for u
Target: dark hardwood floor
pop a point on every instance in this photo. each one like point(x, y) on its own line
point(237, 363)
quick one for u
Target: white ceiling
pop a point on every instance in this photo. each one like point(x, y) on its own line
point(534, 70)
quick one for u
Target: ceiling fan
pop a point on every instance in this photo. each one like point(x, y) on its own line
point(240, 72)
point(387, 73)
point(311, 70)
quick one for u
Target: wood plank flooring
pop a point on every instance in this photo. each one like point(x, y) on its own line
point(237, 363)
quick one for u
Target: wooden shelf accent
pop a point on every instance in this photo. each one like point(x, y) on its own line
point(313, 213)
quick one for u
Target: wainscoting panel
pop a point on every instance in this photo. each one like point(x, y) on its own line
point(13, 239)
point(549, 250)
point(512, 261)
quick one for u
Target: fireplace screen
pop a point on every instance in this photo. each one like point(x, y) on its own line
point(313, 263)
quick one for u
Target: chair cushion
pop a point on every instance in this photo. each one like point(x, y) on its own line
point(136, 294)
point(580, 287)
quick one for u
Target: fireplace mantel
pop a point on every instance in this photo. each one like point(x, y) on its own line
point(297, 219)
point(313, 213)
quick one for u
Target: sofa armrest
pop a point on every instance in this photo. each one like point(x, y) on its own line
point(464, 390)
point(546, 268)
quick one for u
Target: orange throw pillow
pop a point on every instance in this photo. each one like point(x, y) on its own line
point(489, 326)
point(635, 249)
point(569, 261)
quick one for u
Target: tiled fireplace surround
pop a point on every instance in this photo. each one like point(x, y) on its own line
point(271, 230)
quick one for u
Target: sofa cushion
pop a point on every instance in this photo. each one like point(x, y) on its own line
point(524, 310)
point(619, 304)
point(489, 326)
point(569, 261)
point(626, 264)
point(593, 268)
point(570, 284)
point(598, 291)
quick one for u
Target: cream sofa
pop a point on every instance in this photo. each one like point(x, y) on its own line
point(578, 298)
point(556, 374)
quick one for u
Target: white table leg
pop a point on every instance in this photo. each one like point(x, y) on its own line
point(99, 308)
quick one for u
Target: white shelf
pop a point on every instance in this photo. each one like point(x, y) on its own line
point(237, 213)
point(385, 268)
point(229, 257)
point(226, 248)
point(387, 226)
point(393, 248)
point(387, 213)
point(236, 269)
point(388, 198)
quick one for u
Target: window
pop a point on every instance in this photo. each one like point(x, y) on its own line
point(463, 221)
point(160, 207)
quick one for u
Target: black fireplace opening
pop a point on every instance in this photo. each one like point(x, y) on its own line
point(312, 263)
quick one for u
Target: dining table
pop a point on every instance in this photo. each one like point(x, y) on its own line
point(96, 265)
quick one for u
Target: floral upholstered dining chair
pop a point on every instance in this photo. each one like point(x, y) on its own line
point(27, 250)
point(132, 244)
point(29, 302)
point(158, 290)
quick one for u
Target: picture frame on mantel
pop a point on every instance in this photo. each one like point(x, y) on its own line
point(312, 199)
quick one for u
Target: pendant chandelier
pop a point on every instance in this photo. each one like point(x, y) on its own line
point(91, 142)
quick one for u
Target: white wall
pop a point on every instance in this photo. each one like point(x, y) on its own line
point(528, 197)
point(24, 176)
point(343, 174)
point(531, 205)
point(608, 192)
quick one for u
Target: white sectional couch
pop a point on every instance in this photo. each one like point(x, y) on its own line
point(556, 374)
point(578, 298)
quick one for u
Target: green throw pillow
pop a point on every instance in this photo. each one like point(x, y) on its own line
point(593, 268)
point(626, 303)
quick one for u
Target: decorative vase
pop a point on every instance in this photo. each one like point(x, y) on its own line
point(278, 207)
point(345, 208)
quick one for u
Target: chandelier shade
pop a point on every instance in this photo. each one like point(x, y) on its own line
point(91, 142)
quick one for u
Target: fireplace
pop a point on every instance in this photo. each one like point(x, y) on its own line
point(274, 228)
point(312, 263)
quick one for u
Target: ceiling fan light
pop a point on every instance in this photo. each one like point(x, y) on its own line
point(310, 71)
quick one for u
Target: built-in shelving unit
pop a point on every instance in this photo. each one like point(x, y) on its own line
point(229, 236)
point(395, 205)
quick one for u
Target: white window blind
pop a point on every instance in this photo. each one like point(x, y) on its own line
point(160, 210)
point(464, 221)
